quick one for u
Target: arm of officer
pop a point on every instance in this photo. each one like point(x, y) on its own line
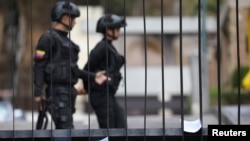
point(41, 59)
point(99, 77)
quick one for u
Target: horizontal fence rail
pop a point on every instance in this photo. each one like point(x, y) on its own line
point(153, 132)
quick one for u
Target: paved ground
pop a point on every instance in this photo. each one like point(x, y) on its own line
point(229, 115)
point(83, 121)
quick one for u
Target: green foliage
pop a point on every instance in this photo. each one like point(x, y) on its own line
point(214, 92)
point(211, 6)
point(228, 97)
point(235, 78)
point(231, 96)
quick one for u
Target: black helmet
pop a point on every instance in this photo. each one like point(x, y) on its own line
point(110, 21)
point(61, 8)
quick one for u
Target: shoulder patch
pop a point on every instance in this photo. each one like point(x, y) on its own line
point(39, 54)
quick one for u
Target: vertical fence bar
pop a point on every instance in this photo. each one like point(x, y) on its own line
point(52, 96)
point(31, 49)
point(218, 60)
point(162, 71)
point(88, 53)
point(203, 44)
point(70, 64)
point(13, 71)
point(125, 73)
point(51, 84)
point(181, 72)
point(107, 64)
point(145, 57)
point(200, 56)
point(238, 58)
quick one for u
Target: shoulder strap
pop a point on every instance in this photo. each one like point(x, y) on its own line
point(55, 50)
point(55, 34)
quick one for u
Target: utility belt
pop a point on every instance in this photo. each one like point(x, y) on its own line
point(61, 73)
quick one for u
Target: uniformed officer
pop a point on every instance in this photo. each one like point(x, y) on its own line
point(55, 64)
point(105, 57)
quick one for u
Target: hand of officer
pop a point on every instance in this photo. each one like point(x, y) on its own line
point(37, 99)
point(100, 77)
point(80, 90)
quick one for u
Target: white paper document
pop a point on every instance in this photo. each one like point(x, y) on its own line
point(104, 139)
point(192, 126)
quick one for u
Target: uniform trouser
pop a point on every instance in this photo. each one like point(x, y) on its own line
point(62, 107)
point(103, 104)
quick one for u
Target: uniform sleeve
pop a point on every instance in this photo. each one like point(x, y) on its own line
point(85, 75)
point(41, 59)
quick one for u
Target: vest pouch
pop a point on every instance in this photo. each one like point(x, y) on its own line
point(58, 73)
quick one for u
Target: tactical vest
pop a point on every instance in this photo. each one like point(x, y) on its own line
point(62, 68)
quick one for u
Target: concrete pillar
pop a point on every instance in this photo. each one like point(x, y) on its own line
point(196, 102)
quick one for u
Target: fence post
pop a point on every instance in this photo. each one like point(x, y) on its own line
point(195, 100)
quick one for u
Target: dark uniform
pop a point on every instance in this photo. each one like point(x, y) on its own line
point(52, 61)
point(56, 65)
point(102, 97)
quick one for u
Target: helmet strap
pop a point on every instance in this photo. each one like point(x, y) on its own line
point(112, 36)
point(65, 25)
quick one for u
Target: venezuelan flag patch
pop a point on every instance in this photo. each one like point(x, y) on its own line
point(39, 54)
